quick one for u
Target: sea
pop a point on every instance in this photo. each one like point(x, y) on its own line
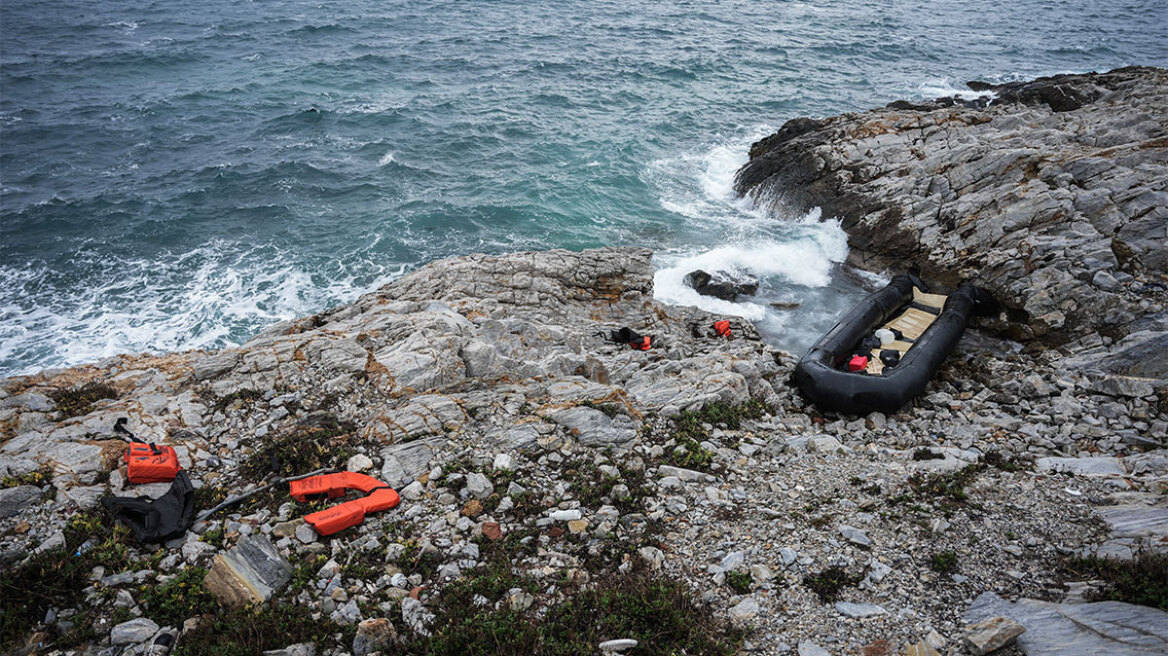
point(178, 176)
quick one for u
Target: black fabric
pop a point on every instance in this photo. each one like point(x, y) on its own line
point(120, 427)
point(160, 519)
point(625, 336)
point(890, 357)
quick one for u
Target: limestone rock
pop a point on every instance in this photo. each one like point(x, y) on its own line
point(14, 499)
point(1082, 466)
point(248, 573)
point(991, 635)
point(856, 611)
point(1105, 627)
point(1023, 197)
point(133, 632)
point(374, 635)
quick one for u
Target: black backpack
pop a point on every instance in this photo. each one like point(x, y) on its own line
point(157, 520)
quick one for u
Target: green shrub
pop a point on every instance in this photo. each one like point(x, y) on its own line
point(1142, 580)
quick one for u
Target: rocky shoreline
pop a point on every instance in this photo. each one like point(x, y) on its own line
point(540, 465)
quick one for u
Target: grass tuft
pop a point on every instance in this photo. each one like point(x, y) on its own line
point(828, 583)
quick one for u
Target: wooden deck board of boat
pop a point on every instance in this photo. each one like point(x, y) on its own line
point(912, 323)
point(932, 300)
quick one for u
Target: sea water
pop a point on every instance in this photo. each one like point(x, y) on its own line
point(177, 175)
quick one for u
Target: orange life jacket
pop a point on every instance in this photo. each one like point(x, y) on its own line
point(644, 344)
point(340, 517)
point(722, 328)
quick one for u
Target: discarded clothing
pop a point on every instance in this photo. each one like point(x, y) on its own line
point(157, 520)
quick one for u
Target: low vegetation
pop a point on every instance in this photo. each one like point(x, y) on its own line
point(74, 402)
point(1142, 580)
point(828, 583)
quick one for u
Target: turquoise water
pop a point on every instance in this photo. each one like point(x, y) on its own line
point(178, 176)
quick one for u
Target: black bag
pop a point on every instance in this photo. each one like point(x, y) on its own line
point(626, 335)
point(157, 520)
point(890, 357)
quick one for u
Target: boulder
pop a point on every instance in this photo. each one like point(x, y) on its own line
point(722, 284)
point(248, 573)
point(374, 635)
point(991, 635)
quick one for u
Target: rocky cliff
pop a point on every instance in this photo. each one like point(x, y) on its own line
point(560, 492)
point(1053, 194)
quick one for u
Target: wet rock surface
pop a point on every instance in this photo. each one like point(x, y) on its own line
point(1054, 197)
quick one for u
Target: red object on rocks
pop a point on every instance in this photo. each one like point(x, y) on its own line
point(342, 516)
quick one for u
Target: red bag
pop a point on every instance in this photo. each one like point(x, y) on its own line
point(722, 328)
point(858, 363)
point(149, 463)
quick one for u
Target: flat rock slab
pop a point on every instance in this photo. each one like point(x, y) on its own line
point(402, 463)
point(1083, 466)
point(594, 428)
point(1106, 627)
point(858, 611)
point(249, 573)
point(15, 498)
point(1135, 521)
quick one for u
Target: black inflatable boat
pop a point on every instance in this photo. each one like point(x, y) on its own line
point(883, 352)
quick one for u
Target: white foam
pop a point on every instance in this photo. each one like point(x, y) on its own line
point(699, 185)
point(942, 88)
point(387, 158)
point(210, 297)
point(805, 260)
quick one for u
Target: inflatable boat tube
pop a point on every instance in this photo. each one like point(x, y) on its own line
point(821, 379)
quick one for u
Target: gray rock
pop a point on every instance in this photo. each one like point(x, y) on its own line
point(652, 556)
point(991, 635)
point(306, 534)
point(1136, 521)
point(687, 475)
point(808, 648)
point(299, 649)
point(817, 443)
point(594, 428)
point(620, 644)
point(857, 611)
point(359, 463)
point(788, 556)
point(374, 635)
point(133, 632)
point(855, 536)
point(1082, 466)
point(248, 573)
point(733, 561)
point(415, 616)
point(403, 463)
point(15, 499)
point(479, 486)
point(745, 609)
point(1105, 627)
